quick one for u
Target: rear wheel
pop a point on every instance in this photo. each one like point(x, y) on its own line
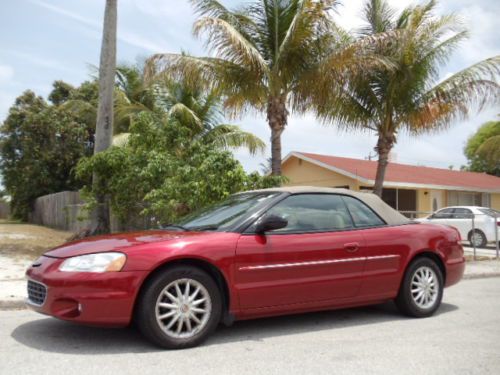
point(477, 238)
point(422, 289)
point(179, 308)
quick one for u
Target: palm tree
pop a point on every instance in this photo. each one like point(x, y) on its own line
point(132, 94)
point(167, 100)
point(270, 56)
point(104, 126)
point(409, 96)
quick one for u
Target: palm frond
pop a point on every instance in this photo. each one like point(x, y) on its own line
point(241, 86)
point(231, 136)
point(229, 44)
point(186, 116)
point(472, 88)
point(379, 17)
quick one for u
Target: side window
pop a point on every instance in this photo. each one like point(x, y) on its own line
point(462, 213)
point(445, 213)
point(312, 213)
point(362, 215)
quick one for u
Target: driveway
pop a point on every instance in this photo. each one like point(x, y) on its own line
point(463, 338)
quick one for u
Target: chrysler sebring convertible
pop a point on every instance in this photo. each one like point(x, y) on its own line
point(259, 253)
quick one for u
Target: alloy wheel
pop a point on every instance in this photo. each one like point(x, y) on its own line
point(183, 308)
point(424, 287)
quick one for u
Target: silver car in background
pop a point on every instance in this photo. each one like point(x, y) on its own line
point(486, 222)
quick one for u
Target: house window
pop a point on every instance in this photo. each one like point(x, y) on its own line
point(466, 198)
point(404, 200)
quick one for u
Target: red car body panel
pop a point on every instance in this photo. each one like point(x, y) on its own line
point(270, 274)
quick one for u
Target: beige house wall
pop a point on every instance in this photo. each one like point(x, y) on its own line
point(423, 201)
point(301, 172)
point(495, 201)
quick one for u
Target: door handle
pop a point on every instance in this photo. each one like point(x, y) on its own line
point(351, 247)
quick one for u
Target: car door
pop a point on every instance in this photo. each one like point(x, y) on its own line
point(461, 218)
point(316, 257)
point(384, 251)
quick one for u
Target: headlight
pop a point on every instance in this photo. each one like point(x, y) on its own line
point(102, 262)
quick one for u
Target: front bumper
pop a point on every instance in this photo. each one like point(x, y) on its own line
point(104, 299)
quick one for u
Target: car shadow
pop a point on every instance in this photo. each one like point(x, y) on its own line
point(52, 335)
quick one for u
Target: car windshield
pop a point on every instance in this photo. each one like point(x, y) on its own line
point(223, 214)
point(490, 212)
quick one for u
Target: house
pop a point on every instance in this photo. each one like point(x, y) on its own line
point(406, 187)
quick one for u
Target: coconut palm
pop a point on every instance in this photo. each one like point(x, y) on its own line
point(132, 96)
point(202, 112)
point(167, 100)
point(269, 56)
point(411, 97)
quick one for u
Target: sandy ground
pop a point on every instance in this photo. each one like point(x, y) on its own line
point(20, 245)
point(28, 241)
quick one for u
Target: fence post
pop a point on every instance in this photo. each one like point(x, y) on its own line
point(496, 233)
point(472, 235)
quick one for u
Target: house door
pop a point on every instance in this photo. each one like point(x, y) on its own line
point(436, 200)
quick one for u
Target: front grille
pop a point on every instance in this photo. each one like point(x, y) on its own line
point(36, 293)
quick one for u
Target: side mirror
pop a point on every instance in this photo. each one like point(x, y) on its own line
point(269, 223)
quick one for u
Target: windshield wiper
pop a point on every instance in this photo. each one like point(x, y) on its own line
point(205, 227)
point(174, 226)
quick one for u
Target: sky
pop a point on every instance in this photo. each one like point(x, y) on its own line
point(46, 40)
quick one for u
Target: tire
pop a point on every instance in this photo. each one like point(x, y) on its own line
point(407, 300)
point(154, 303)
point(480, 235)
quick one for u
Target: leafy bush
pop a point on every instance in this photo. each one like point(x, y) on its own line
point(165, 173)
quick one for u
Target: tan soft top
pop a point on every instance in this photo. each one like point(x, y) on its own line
point(386, 212)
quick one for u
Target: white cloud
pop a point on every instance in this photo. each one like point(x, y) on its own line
point(6, 73)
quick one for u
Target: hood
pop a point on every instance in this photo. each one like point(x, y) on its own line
point(115, 242)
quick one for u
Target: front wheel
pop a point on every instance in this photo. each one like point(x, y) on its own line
point(422, 289)
point(179, 308)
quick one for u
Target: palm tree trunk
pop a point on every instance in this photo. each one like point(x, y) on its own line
point(384, 147)
point(277, 117)
point(104, 126)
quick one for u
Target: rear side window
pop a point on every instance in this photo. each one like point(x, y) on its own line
point(312, 213)
point(462, 213)
point(362, 215)
point(445, 213)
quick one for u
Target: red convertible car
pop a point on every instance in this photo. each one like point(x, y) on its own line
point(259, 253)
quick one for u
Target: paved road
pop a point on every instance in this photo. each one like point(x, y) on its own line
point(463, 338)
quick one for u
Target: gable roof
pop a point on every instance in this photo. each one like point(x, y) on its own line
point(403, 175)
